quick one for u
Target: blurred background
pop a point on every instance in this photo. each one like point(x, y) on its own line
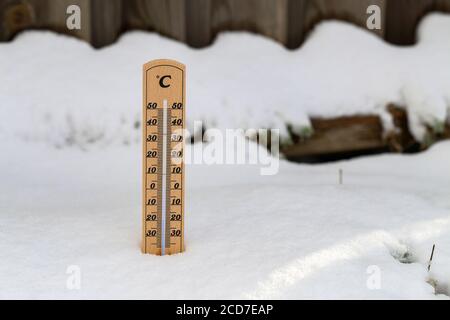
point(197, 23)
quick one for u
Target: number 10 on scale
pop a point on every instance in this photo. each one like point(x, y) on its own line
point(163, 166)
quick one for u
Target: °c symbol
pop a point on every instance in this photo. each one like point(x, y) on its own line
point(161, 81)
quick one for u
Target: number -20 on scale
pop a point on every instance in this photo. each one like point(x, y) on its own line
point(163, 166)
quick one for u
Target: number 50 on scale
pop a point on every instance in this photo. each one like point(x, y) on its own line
point(163, 165)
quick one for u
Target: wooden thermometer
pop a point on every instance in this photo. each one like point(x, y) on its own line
point(163, 166)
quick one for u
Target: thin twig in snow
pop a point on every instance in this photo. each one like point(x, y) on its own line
point(431, 258)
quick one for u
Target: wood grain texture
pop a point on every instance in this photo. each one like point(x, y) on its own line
point(18, 15)
point(166, 17)
point(295, 24)
point(403, 16)
point(52, 15)
point(162, 172)
point(266, 17)
point(15, 16)
point(353, 11)
point(197, 22)
point(105, 22)
point(359, 134)
point(442, 5)
point(339, 135)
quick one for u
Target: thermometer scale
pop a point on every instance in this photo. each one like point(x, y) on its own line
point(163, 166)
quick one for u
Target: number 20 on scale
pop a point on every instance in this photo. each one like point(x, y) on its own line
point(163, 166)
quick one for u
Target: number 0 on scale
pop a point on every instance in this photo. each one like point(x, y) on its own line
point(163, 166)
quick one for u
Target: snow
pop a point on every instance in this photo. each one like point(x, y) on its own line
point(241, 81)
point(297, 234)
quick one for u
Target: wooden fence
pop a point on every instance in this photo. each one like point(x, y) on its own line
point(196, 22)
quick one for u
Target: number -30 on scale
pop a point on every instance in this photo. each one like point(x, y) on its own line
point(163, 166)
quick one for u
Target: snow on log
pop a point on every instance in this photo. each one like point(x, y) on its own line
point(359, 134)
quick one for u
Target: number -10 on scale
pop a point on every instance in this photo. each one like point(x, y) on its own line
point(163, 166)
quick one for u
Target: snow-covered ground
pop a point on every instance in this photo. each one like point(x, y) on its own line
point(297, 234)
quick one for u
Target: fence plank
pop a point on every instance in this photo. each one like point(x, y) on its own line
point(198, 23)
point(402, 18)
point(442, 5)
point(354, 11)
point(303, 15)
point(296, 33)
point(52, 15)
point(266, 17)
point(14, 17)
point(105, 21)
point(166, 17)
point(18, 15)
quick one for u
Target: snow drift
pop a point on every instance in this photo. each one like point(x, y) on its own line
point(60, 90)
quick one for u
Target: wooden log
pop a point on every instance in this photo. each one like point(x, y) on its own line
point(358, 135)
point(339, 135)
point(401, 139)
